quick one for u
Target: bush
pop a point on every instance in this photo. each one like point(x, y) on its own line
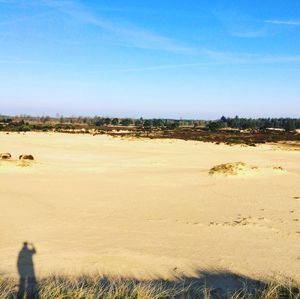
point(115, 121)
point(24, 128)
point(215, 125)
point(172, 125)
point(289, 126)
point(126, 122)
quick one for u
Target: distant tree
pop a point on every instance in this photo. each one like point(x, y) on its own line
point(223, 119)
point(115, 121)
point(215, 125)
point(138, 122)
point(126, 122)
point(157, 123)
point(98, 121)
point(289, 125)
point(45, 119)
point(147, 123)
point(107, 121)
point(172, 125)
point(4, 119)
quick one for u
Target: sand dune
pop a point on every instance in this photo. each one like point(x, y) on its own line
point(149, 207)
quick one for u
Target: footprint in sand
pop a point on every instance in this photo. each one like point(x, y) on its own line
point(239, 222)
point(246, 221)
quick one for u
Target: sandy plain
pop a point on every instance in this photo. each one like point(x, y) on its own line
point(148, 208)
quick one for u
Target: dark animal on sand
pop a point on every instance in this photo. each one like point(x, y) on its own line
point(26, 157)
point(5, 156)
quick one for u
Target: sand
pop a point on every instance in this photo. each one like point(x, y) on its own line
point(148, 208)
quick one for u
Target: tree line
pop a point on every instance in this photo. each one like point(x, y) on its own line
point(27, 122)
point(288, 124)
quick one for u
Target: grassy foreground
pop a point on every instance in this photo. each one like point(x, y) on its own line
point(108, 288)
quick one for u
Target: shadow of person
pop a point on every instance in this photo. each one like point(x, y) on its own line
point(27, 285)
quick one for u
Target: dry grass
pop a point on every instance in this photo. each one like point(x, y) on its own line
point(104, 288)
point(24, 163)
point(228, 168)
point(5, 156)
point(26, 157)
point(278, 168)
point(17, 163)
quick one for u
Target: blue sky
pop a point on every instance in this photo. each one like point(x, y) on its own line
point(158, 58)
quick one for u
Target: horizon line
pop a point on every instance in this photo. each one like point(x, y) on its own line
point(58, 116)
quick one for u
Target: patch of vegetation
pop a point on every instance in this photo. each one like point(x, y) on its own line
point(226, 130)
point(215, 125)
point(288, 124)
point(278, 168)
point(227, 168)
point(96, 287)
point(24, 128)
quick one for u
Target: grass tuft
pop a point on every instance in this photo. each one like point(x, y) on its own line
point(227, 168)
point(98, 287)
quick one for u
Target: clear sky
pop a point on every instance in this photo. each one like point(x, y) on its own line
point(158, 58)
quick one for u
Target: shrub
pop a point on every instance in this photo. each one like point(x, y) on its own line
point(215, 125)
